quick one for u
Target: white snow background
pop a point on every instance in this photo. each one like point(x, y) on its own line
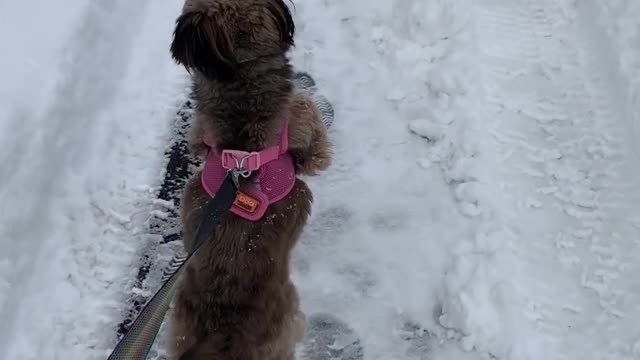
point(483, 202)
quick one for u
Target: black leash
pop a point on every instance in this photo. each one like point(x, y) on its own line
point(216, 208)
point(136, 343)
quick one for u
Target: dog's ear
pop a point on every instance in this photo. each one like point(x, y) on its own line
point(204, 44)
point(281, 14)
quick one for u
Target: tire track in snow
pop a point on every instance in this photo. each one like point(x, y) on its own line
point(96, 61)
point(156, 256)
point(563, 146)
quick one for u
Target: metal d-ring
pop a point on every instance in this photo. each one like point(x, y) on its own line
point(240, 171)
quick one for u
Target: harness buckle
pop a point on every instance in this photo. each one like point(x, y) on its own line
point(241, 160)
point(240, 163)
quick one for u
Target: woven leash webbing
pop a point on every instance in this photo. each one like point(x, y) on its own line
point(137, 342)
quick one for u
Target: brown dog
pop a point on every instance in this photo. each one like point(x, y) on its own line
point(235, 300)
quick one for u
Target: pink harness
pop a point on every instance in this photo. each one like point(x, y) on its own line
point(274, 180)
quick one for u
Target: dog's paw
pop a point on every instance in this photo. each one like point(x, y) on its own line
point(314, 163)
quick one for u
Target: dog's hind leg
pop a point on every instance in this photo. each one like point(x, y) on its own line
point(308, 139)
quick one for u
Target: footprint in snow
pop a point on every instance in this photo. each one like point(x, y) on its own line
point(359, 277)
point(304, 81)
point(389, 222)
point(329, 338)
point(421, 343)
point(332, 221)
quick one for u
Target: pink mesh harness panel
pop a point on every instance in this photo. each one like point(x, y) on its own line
point(274, 179)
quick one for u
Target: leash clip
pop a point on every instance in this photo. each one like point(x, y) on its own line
point(241, 163)
point(240, 170)
point(235, 177)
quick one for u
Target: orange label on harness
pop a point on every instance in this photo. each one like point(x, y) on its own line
point(246, 202)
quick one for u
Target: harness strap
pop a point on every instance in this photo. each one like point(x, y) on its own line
point(136, 343)
point(252, 161)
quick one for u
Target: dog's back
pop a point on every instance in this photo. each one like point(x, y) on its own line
point(235, 300)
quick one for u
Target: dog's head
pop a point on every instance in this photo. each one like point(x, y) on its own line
point(215, 37)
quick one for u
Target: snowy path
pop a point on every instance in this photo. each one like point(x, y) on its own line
point(555, 111)
point(85, 160)
point(534, 230)
point(482, 204)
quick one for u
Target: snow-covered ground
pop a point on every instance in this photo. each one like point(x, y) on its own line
point(87, 92)
point(482, 203)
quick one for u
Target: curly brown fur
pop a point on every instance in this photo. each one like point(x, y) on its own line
point(215, 36)
point(235, 300)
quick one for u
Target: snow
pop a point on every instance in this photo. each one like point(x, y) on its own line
point(72, 222)
point(482, 203)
